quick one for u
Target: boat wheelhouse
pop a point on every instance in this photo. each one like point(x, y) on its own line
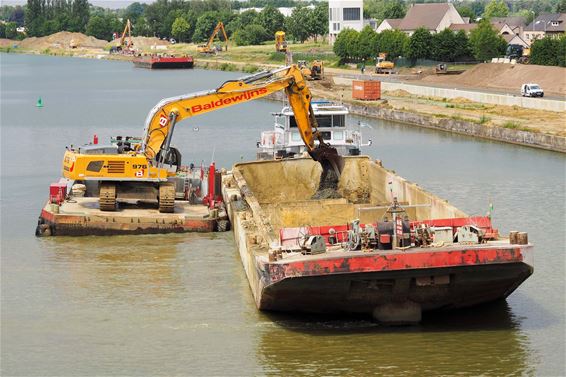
point(332, 119)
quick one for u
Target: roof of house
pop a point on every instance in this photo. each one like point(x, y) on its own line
point(424, 15)
point(511, 21)
point(466, 27)
point(545, 22)
point(394, 22)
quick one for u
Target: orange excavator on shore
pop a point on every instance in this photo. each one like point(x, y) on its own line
point(209, 48)
point(125, 46)
point(144, 170)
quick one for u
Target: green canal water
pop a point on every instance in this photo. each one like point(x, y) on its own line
point(180, 304)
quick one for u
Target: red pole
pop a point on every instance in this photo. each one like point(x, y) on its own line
point(211, 184)
point(95, 139)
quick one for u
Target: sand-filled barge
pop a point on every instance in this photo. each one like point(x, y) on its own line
point(384, 246)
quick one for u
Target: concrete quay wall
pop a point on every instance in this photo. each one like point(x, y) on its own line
point(508, 135)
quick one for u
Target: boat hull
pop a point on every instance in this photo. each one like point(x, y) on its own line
point(164, 63)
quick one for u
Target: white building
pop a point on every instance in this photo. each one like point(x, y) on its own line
point(344, 14)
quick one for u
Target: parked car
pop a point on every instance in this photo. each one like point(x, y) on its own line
point(531, 90)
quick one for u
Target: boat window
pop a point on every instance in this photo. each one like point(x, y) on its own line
point(326, 135)
point(292, 122)
point(338, 135)
point(338, 121)
point(324, 120)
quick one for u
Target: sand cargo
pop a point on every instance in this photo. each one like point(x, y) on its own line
point(384, 247)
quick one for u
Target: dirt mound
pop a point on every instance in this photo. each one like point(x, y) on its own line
point(147, 42)
point(507, 76)
point(62, 39)
point(397, 93)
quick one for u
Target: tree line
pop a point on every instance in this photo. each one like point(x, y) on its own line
point(187, 21)
point(549, 51)
point(482, 44)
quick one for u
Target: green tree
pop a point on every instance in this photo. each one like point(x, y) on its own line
point(382, 9)
point(34, 18)
point(2, 30)
point(180, 29)
point(251, 35)
point(271, 19)
point(318, 24)
point(496, 8)
point(546, 51)
point(205, 26)
point(11, 32)
point(463, 50)
point(345, 44)
point(486, 43)
point(394, 9)
point(102, 26)
point(466, 11)
point(134, 11)
point(392, 42)
point(560, 7)
point(80, 14)
point(298, 23)
point(562, 51)
point(366, 43)
point(419, 45)
point(444, 46)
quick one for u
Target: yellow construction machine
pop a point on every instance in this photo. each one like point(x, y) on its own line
point(314, 72)
point(280, 42)
point(144, 170)
point(382, 65)
point(125, 46)
point(209, 48)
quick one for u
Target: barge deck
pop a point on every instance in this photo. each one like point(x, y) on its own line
point(82, 217)
point(338, 255)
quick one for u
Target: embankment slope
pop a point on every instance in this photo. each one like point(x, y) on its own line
point(508, 77)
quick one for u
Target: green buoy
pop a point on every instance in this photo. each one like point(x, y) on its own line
point(39, 102)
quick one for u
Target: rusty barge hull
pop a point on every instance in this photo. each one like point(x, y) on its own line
point(81, 217)
point(359, 284)
point(266, 199)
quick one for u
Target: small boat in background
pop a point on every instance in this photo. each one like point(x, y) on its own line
point(163, 62)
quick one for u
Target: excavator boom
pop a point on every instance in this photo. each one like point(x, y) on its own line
point(162, 118)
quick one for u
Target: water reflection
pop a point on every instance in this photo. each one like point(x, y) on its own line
point(483, 341)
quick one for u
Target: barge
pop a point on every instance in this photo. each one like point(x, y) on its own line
point(163, 62)
point(385, 247)
point(74, 207)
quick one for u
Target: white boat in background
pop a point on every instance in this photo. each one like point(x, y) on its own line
point(332, 118)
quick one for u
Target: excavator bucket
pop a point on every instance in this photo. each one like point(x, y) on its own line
point(330, 160)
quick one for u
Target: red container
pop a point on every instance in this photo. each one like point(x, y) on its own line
point(57, 192)
point(366, 90)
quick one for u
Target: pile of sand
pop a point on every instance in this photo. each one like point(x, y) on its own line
point(147, 42)
point(507, 76)
point(62, 39)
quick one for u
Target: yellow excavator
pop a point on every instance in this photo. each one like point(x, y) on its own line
point(280, 42)
point(124, 46)
point(209, 48)
point(314, 72)
point(142, 170)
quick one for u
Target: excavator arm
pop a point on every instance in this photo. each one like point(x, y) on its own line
point(161, 120)
point(127, 29)
point(219, 27)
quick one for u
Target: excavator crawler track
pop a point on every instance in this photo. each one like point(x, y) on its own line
point(107, 197)
point(166, 198)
